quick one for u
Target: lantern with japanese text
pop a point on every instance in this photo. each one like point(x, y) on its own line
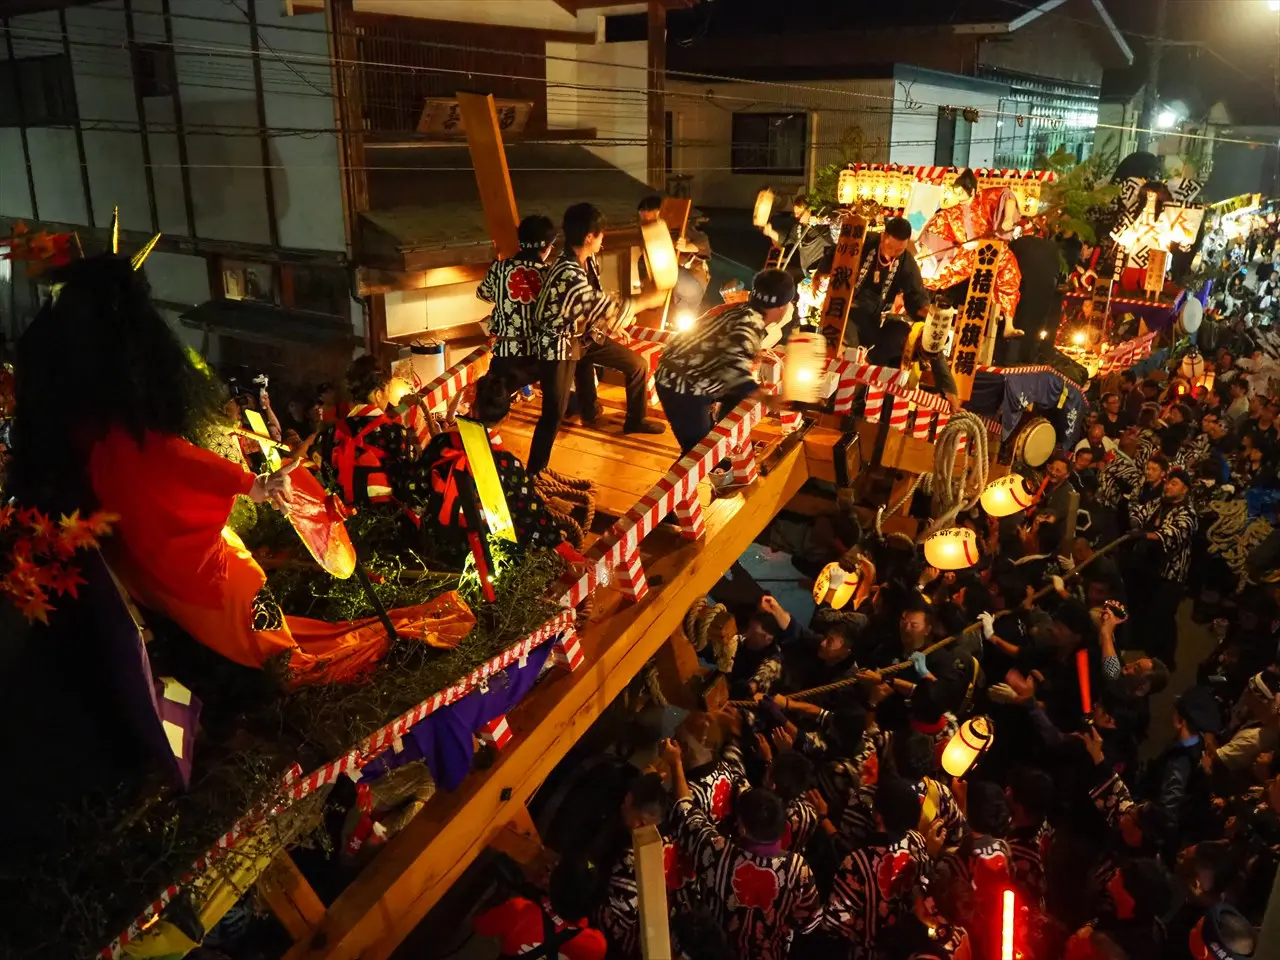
point(955, 548)
point(660, 254)
point(846, 187)
point(966, 745)
point(1006, 495)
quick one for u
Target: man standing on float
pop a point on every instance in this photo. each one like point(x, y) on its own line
point(888, 268)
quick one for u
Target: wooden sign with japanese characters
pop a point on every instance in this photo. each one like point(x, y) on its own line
point(844, 274)
point(973, 317)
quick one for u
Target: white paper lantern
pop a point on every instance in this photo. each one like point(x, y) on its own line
point(966, 745)
point(660, 254)
point(846, 187)
point(806, 355)
point(1192, 366)
point(763, 208)
point(955, 548)
point(1006, 496)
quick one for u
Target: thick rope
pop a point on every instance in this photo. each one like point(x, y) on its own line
point(561, 494)
point(949, 491)
point(941, 644)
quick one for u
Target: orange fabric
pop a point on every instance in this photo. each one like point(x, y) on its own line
point(174, 555)
point(173, 499)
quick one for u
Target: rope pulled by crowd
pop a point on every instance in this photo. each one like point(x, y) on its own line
point(877, 675)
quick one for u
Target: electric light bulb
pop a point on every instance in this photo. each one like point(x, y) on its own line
point(685, 320)
point(1079, 338)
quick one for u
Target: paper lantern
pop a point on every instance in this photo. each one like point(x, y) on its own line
point(806, 356)
point(955, 548)
point(397, 387)
point(846, 187)
point(1192, 366)
point(1006, 496)
point(660, 254)
point(937, 327)
point(763, 208)
point(966, 745)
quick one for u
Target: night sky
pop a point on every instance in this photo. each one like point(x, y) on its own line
point(1237, 65)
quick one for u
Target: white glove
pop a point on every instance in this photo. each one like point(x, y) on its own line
point(1002, 693)
point(988, 622)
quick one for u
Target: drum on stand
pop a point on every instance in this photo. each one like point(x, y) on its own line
point(1033, 442)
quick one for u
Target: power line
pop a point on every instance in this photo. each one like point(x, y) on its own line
point(223, 51)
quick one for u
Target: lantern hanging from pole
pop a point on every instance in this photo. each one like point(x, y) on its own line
point(806, 355)
point(966, 745)
point(763, 208)
point(955, 548)
point(846, 187)
point(1006, 495)
point(660, 254)
point(1192, 366)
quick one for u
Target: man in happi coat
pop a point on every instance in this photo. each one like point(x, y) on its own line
point(873, 886)
point(761, 894)
point(1159, 571)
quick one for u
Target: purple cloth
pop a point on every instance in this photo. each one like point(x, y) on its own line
point(444, 738)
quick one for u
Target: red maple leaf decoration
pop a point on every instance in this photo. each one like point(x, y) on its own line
point(6, 515)
point(721, 799)
point(66, 580)
point(755, 886)
point(524, 284)
point(896, 873)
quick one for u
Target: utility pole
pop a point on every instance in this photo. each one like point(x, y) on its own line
point(1150, 101)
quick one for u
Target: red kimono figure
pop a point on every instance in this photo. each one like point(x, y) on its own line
point(111, 410)
point(993, 212)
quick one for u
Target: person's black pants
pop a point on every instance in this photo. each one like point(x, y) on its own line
point(1157, 620)
point(614, 355)
point(556, 379)
point(692, 416)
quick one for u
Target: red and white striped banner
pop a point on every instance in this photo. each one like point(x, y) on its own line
point(1127, 354)
point(620, 547)
point(934, 174)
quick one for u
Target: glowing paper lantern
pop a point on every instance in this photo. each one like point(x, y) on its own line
point(806, 355)
point(684, 320)
point(955, 548)
point(660, 254)
point(1192, 366)
point(763, 208)
point(967, 745)
point(937, 327)
point(396, 390)
point(846, 187)
point(1006, 496)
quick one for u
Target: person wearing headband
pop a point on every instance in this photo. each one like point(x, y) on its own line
point(704, 372)
point(888, 269)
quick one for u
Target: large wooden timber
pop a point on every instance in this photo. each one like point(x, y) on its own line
point(375, 913)
point(624, 467)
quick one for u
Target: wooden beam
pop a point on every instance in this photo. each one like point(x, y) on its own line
point(568, 6)
point(493, 178)
point(79, 129)
point(657, 125)
point(395, 891)
point(678, 668)
point(651, 893)
point(290, 897)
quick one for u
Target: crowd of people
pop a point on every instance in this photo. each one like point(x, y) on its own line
point(826, 826)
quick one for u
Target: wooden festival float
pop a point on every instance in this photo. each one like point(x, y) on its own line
point(624, 609)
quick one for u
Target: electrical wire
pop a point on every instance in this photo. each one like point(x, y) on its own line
point(225, 51)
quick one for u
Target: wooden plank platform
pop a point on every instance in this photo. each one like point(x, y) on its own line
point(375, 913)
point(623, 466)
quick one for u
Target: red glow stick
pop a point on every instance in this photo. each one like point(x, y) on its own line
point(1082, 673)
point(1006, 927)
